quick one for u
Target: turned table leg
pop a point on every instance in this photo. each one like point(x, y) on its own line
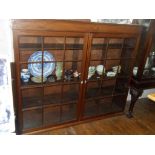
point(135, 94)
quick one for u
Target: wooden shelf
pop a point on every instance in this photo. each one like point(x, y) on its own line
point(110, 46)
point(31, 84)
point(35, 62)
point(98, 78)
point(122, 58)
point(30, 46)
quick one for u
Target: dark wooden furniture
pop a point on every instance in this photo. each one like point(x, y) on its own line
point(77, 45)
point(145, 76)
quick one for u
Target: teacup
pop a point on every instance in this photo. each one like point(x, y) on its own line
point(91, 71)
point(100, 69)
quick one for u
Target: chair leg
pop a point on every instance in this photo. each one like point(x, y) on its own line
point(135, 94)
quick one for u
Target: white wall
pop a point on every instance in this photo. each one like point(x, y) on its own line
point(6, 46)
point(6, 51)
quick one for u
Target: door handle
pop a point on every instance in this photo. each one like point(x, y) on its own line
point(85, 81)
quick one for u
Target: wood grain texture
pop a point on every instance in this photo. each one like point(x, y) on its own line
point(143, 123)
point(72, 26)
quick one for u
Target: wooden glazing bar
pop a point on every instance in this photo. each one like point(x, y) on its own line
point(113, 91)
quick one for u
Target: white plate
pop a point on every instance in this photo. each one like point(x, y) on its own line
point(36, 68)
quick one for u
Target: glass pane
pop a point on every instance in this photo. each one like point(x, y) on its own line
point(52, 94)
point(73, 55)
point(121, 86)
point(31, 74)
point(99, 43)
point(52, 115)
point(149, 70)
point(105, 105)
point(53, 72)
point(70, 93)
point(72, 71)
point(96, 70)
point(74, 43)
point(112, 68)
point(114, 53)
point(97, 54)
point(128, 48)
point(31, 97)
point(93, 89)
point(98, 89)
point(91, 108)
point(55, 47)
point(127, 53)
point(54, 43)
point(57, 55)
point(98, 49)
point(118, 103)
point(68, 112)
point(28, 46)
point(96, 106)
point(126, 66)
point(32, 119)
point(108, 87)
point(115, 43)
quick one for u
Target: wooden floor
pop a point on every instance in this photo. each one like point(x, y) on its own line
point(143, 123)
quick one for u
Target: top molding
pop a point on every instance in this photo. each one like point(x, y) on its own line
point(73, 26)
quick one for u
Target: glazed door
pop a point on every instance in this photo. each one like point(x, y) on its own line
point(108, 67)
point(63, 91)
point(50, 70)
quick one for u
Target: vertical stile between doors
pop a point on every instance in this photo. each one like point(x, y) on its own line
point(83, 78)
point(85, 71)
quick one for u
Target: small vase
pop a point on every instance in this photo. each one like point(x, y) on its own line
point(25, 75)
point(58, 71)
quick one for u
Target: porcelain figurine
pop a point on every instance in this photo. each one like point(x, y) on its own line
point(69, 74)
point(76, 74)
